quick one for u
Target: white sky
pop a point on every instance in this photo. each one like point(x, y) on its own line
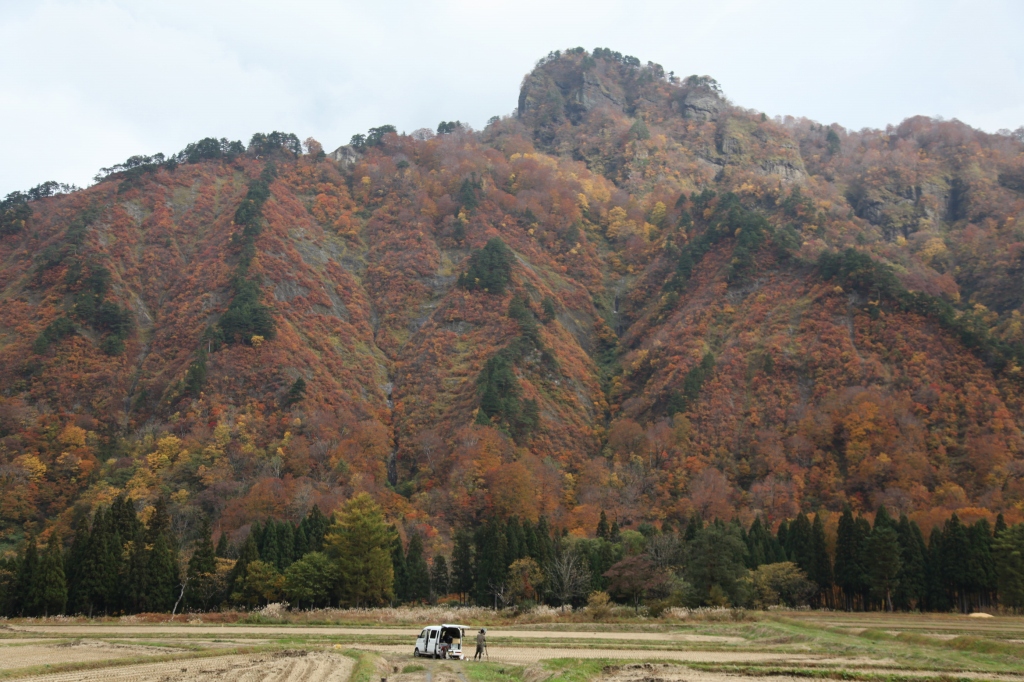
point(88, 83)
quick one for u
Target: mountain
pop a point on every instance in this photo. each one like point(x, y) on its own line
point(631, 295)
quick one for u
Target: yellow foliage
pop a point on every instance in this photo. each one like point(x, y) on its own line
point(621, 227)
point(72, 436)
point(167, 451)
point(34, 468)
point(658, 214)
point(932, 248)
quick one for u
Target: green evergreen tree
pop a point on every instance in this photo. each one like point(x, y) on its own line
point(821, 566)
point(1009, 565)
point(782, 535)
point(530, 546)
point(515, 539)
point(981, 572)
point(268, 544)
point(8, 586)
point(715, 561)
point(123, 519)
point(833, 142)
point(864, 560)
point(201, 581)
point(883, 547)
point(909, 593)
point(603, 529)
point(222, 546)
point(301, 543)
point(135, 587)
point(601, 555)
point(758, 540)
point(440, 579)
point(296, 393)
point(28, 566)
point(247, 554)
point(418, 573)
point(285, 545)
point(937, 597)
point(800, 543)
point(48, 593)
point(256, 533)
point(490, 268)
point(462, 574)
point(544, 550)
point(316, 528)
point(848, 569)
point(401, 571)
point(98, 583)
point(491, 563)
point(955, 561)
point(615, 535)
point(74, 559)
point(882, 518)
point(162, 580)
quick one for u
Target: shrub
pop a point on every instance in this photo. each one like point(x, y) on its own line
point(490, 268)
point(779, 583)
point(59, 329)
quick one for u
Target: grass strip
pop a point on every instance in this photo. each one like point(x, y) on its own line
point(584, 670)
point(981, 645)
point(492, 672)
point(826, 674)
point(365, 669)
point(78, 666)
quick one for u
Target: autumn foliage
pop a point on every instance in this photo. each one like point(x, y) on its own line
point(624, 298)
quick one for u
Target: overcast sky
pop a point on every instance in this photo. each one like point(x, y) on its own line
point(89, 83)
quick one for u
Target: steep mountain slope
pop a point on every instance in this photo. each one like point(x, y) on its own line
point(631, 296)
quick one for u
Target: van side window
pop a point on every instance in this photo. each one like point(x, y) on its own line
point(433, 634)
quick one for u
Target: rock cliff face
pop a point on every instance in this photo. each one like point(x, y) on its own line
point(703, 310)
point(568, 88)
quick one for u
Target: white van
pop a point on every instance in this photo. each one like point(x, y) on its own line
point(441, 641)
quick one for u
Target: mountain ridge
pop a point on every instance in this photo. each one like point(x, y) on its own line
point(671, 337)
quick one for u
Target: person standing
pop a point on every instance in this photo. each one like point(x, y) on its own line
point(481, 644)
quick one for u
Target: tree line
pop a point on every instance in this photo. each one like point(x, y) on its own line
point(118, 564)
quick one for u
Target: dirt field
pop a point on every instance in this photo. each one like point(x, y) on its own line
point(708, 648)
point(280, 667)
point(24, 655)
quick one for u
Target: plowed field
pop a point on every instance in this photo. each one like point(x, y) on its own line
point(278, 667)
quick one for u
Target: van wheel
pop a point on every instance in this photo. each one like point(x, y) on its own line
point(416, 652)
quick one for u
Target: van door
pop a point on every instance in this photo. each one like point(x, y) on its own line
point(432, 641)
